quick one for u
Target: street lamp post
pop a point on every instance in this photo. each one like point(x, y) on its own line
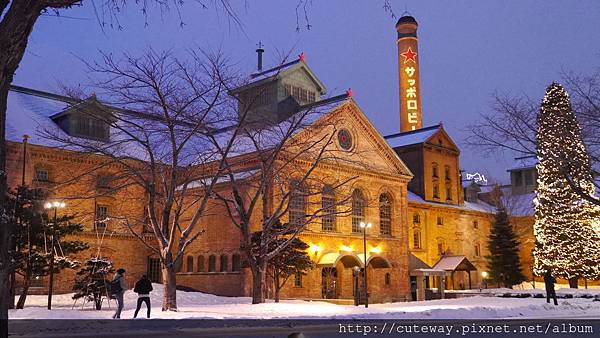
point(365, 226)
point(484, 275)
point(52, 205)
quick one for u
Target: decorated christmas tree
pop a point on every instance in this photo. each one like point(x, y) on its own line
point(504, 262)
point(566, 243)
point(92, 280)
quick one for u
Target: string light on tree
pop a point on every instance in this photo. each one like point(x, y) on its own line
point(566, 242)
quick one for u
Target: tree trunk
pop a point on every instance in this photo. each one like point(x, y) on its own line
point(573, 283)
point(259, 282)
point(277, 287)
point(23, 296)
point(15, 28)
point(169, 278)
point(98, 301)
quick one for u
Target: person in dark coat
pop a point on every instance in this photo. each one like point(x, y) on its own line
point(143, 287)
point(549, 280)
point(120, 278)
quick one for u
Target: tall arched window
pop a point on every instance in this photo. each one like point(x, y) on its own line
point(224, 263)
point(297, 205)
point(358, 210)
point(190, 264)
point(212, 263)
point(236, 262)
point(385, 214)
point(328, 205)
point(434, 170)
point(200, 265)
point(447, 175)
point(416, 238)
point(436, 191)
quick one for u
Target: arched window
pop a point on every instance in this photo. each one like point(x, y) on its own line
point(388, 279)
point(434, 170)
point(329, 209)
point(416, 218)
point(436, 191)
point(447, 173)
point(449, 193)
point(477, 249)
point(297, 205)
point(224, 263)
point(236, 262)
point(441, 247)
point(417, 238)
point(190, 264)
point(200, 265)
point(212, 263)
point(358, 210)
point(385, 214)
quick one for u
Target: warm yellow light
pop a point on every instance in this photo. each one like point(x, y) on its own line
point(48, 205)
point(346, 248)
point(484, 274)
point(376, 250)
point(314, 248)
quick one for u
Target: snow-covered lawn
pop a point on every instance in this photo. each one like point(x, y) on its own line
point(198, 305)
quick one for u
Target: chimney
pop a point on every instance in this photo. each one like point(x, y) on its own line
point(260, 52)
point(408, 68)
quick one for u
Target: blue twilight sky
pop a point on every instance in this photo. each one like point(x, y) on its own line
point(468, 50)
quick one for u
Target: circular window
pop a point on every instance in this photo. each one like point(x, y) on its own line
point(345, 139)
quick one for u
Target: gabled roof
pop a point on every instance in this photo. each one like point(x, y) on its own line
point(454, 263)
point(281, 71)
point(412, 137)
point(524, 162)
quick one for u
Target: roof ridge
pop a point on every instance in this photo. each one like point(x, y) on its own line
point(291, 63)
point(43, 94)
point(436, 126)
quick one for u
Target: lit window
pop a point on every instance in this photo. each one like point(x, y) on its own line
point(329, 209)
point(101, 216)
point(296, 205)
point(385, 215)
point(358, 210)
point(417, 239)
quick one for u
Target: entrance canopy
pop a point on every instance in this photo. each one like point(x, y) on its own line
point(350, 260)
point(454, 263)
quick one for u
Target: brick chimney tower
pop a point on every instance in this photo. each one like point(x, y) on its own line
point(408, 67)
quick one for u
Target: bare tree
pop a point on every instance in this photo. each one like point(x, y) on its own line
point(279, 175)
point(161, 137)
point(17, 21)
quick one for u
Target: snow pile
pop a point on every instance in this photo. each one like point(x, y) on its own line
point(199, 305)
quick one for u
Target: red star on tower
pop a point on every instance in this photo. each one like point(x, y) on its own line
point(409, 55)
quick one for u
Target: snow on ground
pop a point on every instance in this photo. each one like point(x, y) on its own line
point(199, 305)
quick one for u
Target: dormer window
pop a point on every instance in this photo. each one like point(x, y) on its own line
point(90, 127)
point(302, 95)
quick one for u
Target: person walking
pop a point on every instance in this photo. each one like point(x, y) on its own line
point(549, 281)
point(117, 288)
point(143, 287)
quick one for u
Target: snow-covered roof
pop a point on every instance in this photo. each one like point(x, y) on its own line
point(29, 114)
point(518, 204)
point(524, 163)
point(412, 137)
point(480, 206)
point(452, 263)
point(205, 181)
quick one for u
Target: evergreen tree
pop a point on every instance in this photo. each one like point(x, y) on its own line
point(504, 262)
point(91, 282)
point(293, 259)
point(34, 238)
point(566, 243)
